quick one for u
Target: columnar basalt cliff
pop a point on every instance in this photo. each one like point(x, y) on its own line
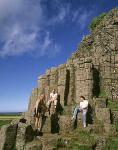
point(91, 71)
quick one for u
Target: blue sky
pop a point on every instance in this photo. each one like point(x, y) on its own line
point(37, 35)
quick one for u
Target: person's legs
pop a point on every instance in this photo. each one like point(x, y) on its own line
point(40, 123)
point(49, 103)
point(76, 110)
point(36, 123)
point(84, 118)
point(55, 103)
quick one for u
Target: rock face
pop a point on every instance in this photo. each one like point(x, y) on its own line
point(90, 71)
point(8, 137)
point(15, 136)
point(24, 134)
point(103, 114)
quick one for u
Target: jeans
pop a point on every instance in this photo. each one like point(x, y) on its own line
point(84, 112)
point(75, 112)
point(84, 117)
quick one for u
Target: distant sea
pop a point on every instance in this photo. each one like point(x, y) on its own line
point(11, 113)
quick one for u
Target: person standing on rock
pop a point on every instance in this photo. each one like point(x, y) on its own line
point(52, 100)
point(40, 109)
point(83, 107)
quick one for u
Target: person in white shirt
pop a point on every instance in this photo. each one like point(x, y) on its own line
point(53, 99)
point(83, 107)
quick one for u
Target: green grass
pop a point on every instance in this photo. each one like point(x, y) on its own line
point(112, 144)
point(96, 21)
point(80, 147)
point(4, 122)
point(112, 105)
point(117, 128)
point(85, 138)
point(6, 119)
point(3, 117)
point(103, 94)
point(79, 141)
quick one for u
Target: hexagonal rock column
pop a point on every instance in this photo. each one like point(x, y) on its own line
point(103, 114)
point(100, 102)
point(8, 137)
point(65, 124)
point(71, 83)
point(62, 73)
point(53, 78)
point(31, 106)
point(115, 116)
point(34, 145)
point(110, 129)
point(24, 134)
point(84, 80)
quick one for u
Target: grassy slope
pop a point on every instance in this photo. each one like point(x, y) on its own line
point(7, 118)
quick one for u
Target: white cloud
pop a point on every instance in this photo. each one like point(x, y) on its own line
point(21, 27)
point(82, 16)
point(24, 25)
point(61, 16)
point(18, 43)
point(47, 46)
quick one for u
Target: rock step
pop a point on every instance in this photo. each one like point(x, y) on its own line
point(67, 110)
point(63, 123)
point(68, 141)
point(34, 145)
point(59, 144)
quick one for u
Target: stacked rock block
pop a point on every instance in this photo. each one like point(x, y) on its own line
point(31, 105)
point(103, 114)
point(109, 75)
point(62, 78)
point(8, 137)
point(84, 82)
point(24, 134)
point(101, 47)
point(71, 83)
point(15, 136)
point(70, 80)
point(54, 78)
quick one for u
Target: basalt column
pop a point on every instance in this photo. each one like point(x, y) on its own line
point(83, 80)
point(109, 73)
point(32, 102)
point(62, 74)
point(71, 82)
point(53, 79)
